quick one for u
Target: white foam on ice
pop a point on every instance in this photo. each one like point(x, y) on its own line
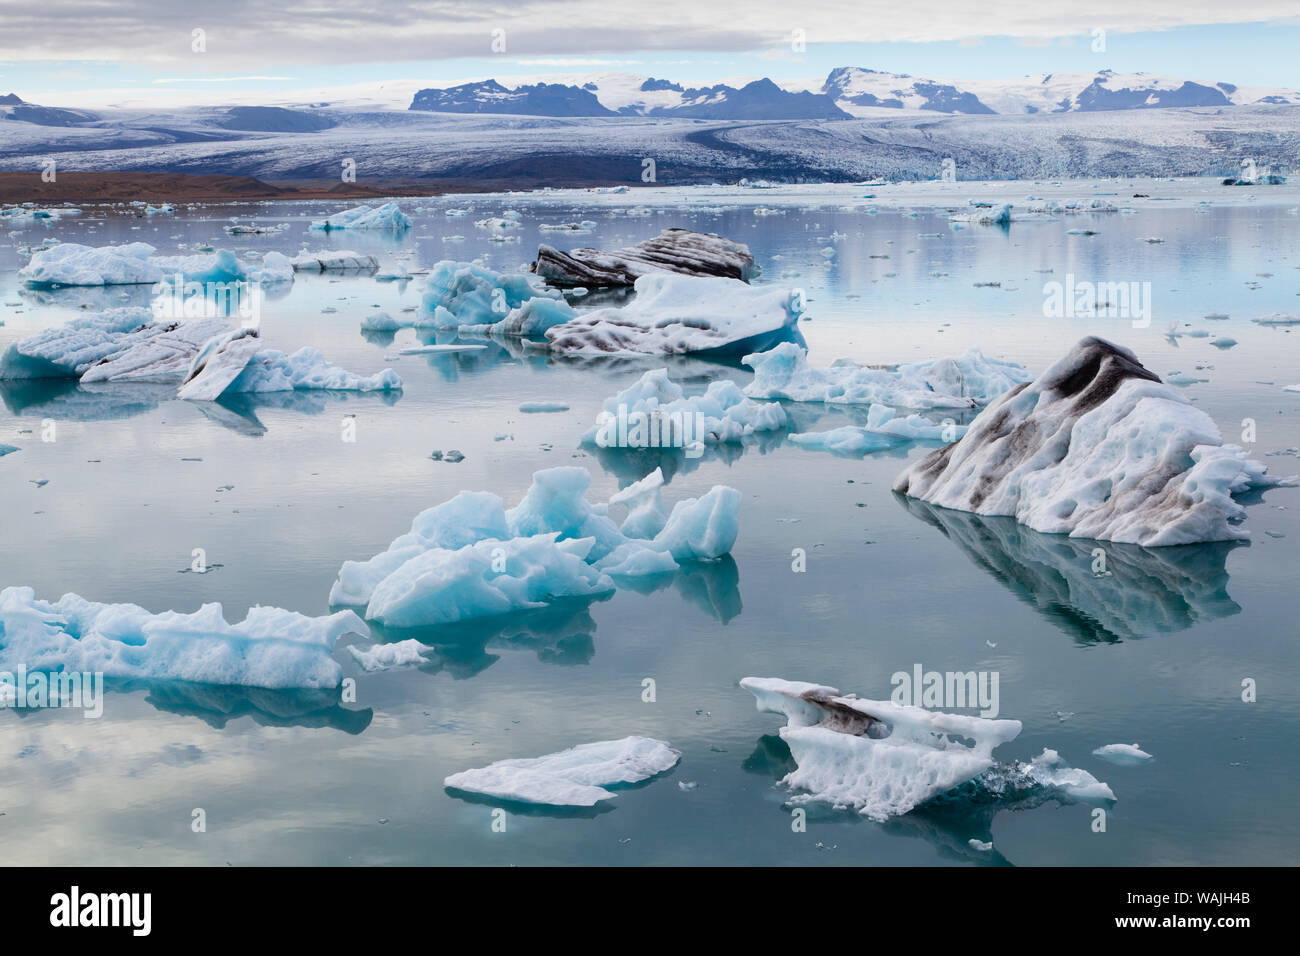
point(966, 381)
point(577, 777)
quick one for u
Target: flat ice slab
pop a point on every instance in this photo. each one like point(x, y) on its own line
point(577, 777)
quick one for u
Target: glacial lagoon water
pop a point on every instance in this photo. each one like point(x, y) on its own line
point(1154, 652)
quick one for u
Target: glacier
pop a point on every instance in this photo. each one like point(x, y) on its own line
point(1096, 447)
point(966, 381)
point(470, 557)
point(577, 777)
point(271, 647)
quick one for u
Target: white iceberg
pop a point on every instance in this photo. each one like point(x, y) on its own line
point(966, 381)
point(271, 647)
point(577, 777)
point(382, 657)
point(115, 345)
point(876, 757)
point(1126, 755)
point(660, 408)
point(677, 314)
point(1096, 447)
point(386, 217)
point(235, 363)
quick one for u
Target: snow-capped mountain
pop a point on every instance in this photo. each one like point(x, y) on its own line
point(847, 91)
point(623, 94)
point(859, 91)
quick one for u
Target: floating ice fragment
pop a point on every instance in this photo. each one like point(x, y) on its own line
point(1126, 755)
point(577, 777)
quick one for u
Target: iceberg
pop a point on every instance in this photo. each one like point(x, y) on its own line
point(879, 758)
point(330, 260)
point(577, 777)
point(467, 294)
point(116, 345)
point(72, 264)
point(234, 363)
point(1096, 447)
point(660, 408)
point(470, 557)
point(677, 314)
point(386, 217)
point(967, 381)
point(673, 250)
point(382, 657)
point(1126, 755)
point(271, 647)
point(884, 429)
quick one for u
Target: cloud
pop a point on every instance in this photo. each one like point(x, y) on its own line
point(249, 33)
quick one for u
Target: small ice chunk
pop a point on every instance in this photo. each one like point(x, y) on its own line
point(1126, 755)
point(577, 777)
point(382, 657)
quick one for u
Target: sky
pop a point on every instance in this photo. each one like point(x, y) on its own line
point(98, 53)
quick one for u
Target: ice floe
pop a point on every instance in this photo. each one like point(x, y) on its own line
point(966, 381)
point(469, 295)
point(654, 411)
point(386, 217)
point(876, 757)
point(1096, 447)
point(137, 263)
point(676, 314)
point(884, 429)
point(578, 777)
point(673, 250)
point(470, 557)
point(382, 657)
point(332, 260)
point(271, 647)
point(1127, 755)
point(235, 363)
